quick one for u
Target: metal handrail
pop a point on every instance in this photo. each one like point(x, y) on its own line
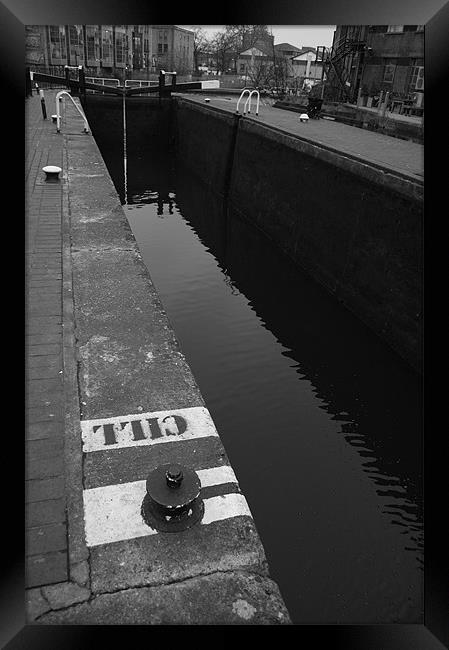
point(248, 101)
point(139, 83)
point(145, 82)
point(101, 81)
point(245, 90)
point(58, 117)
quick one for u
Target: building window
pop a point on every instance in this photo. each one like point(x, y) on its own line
point(395, 29)
point(165, 48)
point(389, 73)
point(106, 47)
point(159, 48)
point(90, 43)
point(76, 45)
point(119, 48)
point(57, 43)
point(417, 78)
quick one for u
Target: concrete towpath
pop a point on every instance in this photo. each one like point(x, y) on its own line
point(401, 157)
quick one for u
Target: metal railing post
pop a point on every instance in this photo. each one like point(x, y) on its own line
point(248, 101)
point(28, 90)
point(385, 103)
point(82, 80)
point(161, 84)
point(44, 108)
point(245, 90)
point(58, 114)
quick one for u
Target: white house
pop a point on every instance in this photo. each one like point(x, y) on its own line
point(305, 66)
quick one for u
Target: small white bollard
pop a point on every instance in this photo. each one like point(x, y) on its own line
point(303, 117)
point(52, 172)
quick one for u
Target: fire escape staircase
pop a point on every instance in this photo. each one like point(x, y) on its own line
point(334, 63)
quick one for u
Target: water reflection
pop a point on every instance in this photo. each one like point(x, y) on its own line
point(161, 199)
point(362, 385)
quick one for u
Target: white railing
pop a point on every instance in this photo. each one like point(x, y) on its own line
point(58, 116)
point(140, 83)
point(245, 90)
point(248, 100)
point(137, 83)
point(102, 81)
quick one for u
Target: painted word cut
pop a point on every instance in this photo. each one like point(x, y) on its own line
point(147, 428)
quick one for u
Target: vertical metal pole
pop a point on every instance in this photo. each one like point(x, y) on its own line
point(82, 80)
point(44, 109)
point(67, 76)
point(384, 106)
point(28, 91)
point(125, 169)
point(381, 96)
point(161, 84)
point(322, 71)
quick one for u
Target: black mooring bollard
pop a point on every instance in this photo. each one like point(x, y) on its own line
point(44, 109)
point(28, 87)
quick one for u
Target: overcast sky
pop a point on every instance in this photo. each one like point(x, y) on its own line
point(298, 35)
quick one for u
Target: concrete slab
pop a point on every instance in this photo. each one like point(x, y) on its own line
point(231, 598)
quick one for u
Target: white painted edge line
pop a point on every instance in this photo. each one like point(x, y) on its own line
point(147, 429)
point(112, 513)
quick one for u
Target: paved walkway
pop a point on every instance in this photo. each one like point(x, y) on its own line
point(46, 529)
point(392, 154)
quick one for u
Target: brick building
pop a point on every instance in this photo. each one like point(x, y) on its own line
point(134, 51)
point(378, 59)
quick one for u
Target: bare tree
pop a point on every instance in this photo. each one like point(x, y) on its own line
point(260, 71)
point(201, 45)
point(234, 40)
point(225, 46)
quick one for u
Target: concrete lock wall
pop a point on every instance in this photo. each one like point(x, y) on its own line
point(354, 228)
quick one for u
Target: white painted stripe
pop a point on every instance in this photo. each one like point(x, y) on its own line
point(225, 506)
point(217, 475)
point(112, 513)
point(147, 429)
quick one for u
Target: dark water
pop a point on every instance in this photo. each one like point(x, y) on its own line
point(321, 421)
